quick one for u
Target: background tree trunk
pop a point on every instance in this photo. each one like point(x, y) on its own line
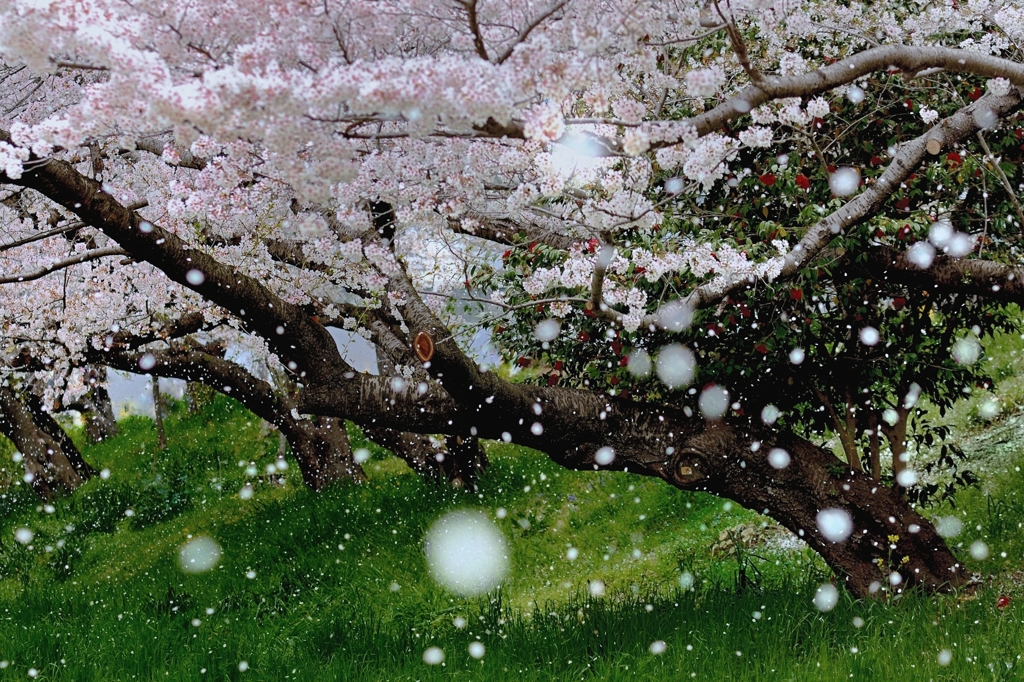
point(158, 414)
point(96, 408)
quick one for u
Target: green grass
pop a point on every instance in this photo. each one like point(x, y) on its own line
point(99, 593)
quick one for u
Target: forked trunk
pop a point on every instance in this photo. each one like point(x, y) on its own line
point(322, 451)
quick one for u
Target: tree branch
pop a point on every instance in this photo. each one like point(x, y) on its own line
point(869, 201)
point(92, 255)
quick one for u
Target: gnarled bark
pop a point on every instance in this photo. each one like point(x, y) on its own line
point(458, 461)
point(890, 546)
point(322, 451)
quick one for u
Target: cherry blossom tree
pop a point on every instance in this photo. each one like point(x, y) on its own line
point(706, 232)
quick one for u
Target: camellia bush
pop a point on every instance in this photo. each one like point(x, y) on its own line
point(711, 235)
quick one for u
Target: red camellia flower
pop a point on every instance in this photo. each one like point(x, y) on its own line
point(768, 179)
point(1002, 602)
point(954, 159)
point(796, 294)
point(803, 182)
point(761, 348)
point(899, 302)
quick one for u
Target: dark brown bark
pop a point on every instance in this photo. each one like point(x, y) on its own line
point(48, 465)
point(874, 445)
point(989, 279)
point(721, 461)
point(322, 451)
point(45, 421)
point(100, 423)
point(458, 462)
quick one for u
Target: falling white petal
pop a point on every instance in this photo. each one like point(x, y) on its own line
point(466, 553)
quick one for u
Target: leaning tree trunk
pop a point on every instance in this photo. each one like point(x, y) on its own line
point(320, 447)
point(587, 430)
point(45, 421)
point(866, 532)
point(48, 461)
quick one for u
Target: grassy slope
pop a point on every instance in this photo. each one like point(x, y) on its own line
point(99, 594)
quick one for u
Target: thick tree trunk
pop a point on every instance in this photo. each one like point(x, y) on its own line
point(728, 459)
point(322, 451)
point(49, 466)
point(889, 546)
point(96, 407)
point(466, 460)
point(650, 439)
point(45, 421)
point(459, 462)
